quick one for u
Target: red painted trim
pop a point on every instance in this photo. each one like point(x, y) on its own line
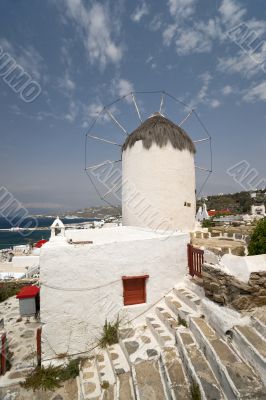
point(139, 295)
point(135, 277)
point(39, 346)
point(28, 291)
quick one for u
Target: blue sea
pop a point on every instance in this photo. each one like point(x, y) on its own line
point(9, 239)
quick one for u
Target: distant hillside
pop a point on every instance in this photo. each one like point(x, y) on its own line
point(240, 202)
point(96, 212)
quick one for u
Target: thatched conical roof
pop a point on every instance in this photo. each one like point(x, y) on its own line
point(160, 130)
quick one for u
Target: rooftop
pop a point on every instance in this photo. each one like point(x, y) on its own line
point(115, 234)
point(160, 130)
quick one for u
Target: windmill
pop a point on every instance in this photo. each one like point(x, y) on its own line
point(163, 174)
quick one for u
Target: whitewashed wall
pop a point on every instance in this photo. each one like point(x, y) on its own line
point(160, 181)
point(242, 267)
point(25, 261)
point(74, 317)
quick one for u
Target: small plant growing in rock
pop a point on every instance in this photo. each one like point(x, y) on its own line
point(195, 391)
point(110, 333)
point(105, 385)
point(182, 321)
point(51, 377)
point(43, 378)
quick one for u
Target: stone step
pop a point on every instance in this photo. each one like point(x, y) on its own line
point(197, 367)
point(178, 385)
point(149, 382)
point(181, 310)
point(109, 393)
point(259, 323)
point(125, 387)
point(167, 317)
point(140, 346)
point(118, 359)
point(188, 297)
point(236, 378)
point(159, 331)
point(252, 346)
point(90, 384)
point(105, 367)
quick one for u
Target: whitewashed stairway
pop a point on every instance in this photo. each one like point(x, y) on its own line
point(175, 350)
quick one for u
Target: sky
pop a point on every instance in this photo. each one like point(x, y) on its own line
point(78, 56)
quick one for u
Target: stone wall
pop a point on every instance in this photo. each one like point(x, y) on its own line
point(222, 235)
point(230, 291)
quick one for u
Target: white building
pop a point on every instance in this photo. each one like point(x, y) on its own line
point(202, 213)
point(258, 210)
point(102, 273)
point(90, 275)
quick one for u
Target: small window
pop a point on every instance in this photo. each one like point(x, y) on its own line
point(134, 288)
point(186, 204)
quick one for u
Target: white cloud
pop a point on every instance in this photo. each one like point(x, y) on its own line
point(124, 87)
point(203, 97)
point(94, 110)
point(6, 45)
point(206, 79)
point(151, 62)
point(258, 92)
point(227, 90)
point(169, 33)
point(214, 103)
point(27, 57)
point(181, 8)
point(140, 12)
point(197, 39)
point(231, 12)
point(97, 28)
point(66, 84)
point(156, 23)
point(242, 63)
point(72, 112)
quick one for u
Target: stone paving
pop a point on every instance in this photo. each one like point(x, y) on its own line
point(68, 391)
point(21, 337)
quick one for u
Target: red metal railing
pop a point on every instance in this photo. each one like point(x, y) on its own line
point(195, 260)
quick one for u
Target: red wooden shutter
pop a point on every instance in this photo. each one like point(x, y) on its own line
point(134, 289)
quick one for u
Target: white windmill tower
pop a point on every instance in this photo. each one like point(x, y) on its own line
point(158, 189)
point(158, 169)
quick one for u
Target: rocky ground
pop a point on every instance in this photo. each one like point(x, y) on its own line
point(68, 391)
point(21, 336)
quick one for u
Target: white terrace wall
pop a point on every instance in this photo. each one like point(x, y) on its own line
point(73, 315)
point(25, 261)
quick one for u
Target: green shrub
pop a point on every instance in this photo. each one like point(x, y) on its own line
point(257, 244)
point(207, 223)
point(110, 333)
point(43, 378)
point(182, 321)
point(70, 371)
point(195, 391)
point(51, 377)
point(6, 292)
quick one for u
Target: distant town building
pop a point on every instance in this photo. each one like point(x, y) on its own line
point(258, 209)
